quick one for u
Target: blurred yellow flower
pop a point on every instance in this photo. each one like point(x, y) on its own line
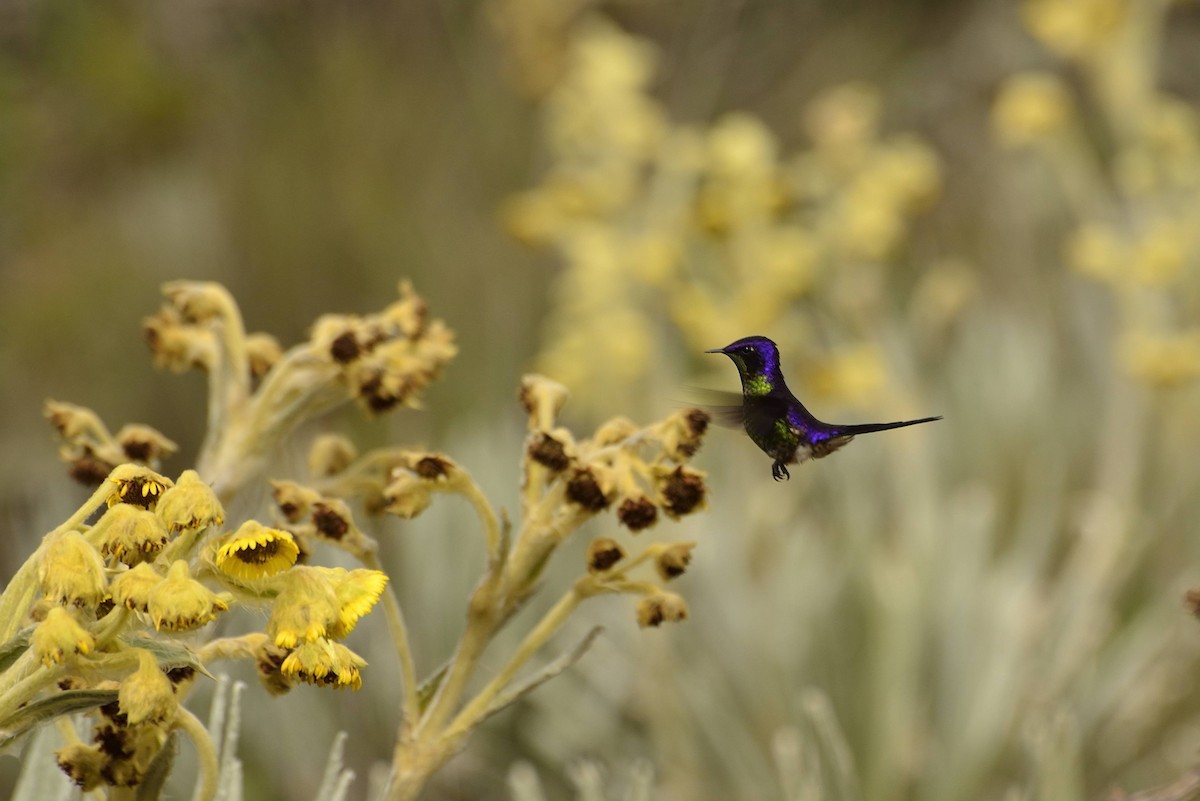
point(1075, 28)
point(854, 374)
point(1097, 251)
point(1163, 360)
point(1031, 106)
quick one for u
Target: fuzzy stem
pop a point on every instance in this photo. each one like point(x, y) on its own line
point(206, 752)
point(551, 622)
point(399, 632)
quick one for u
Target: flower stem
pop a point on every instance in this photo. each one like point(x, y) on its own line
point(206, 752)
point(399, 632)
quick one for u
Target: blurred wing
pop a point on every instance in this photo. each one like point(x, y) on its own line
point(724, 407)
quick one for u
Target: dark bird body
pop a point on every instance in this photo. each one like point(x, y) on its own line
point(775, 419)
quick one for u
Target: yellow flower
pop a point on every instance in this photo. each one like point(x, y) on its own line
point(137, 485)
point(1163, 253)
point(1095, 250)
point(1163, 360)
point(180, 603)
point(255, 551)
point(131, 589)
point(324, 663)
point(306, 607)
point(190, 505)
point(662, 606)
point(146, 695)
point(71, 571)
point(1075, 28)
point(357, 591)
point(130, 533)
point(1031, 106)
point(60, 636)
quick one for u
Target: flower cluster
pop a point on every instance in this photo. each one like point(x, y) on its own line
point(91, 451)
point(718, 226)
point(1136, 209)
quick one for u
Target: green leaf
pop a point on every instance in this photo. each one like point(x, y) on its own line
point(11, 650)
point(64, 703)
point(169, 654)
point(152, 784)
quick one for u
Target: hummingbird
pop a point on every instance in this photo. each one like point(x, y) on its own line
point(775, 419)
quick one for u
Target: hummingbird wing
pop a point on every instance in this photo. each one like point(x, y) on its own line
point(725, 408)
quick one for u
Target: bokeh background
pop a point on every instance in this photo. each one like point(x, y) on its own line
point(988, 210)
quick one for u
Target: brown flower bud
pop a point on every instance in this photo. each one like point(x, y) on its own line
point(330, 454)
point(331, 519)
point(433, 467)
point(603, 553)
point(637, 513)
point(141, 443)
point(1191, 600)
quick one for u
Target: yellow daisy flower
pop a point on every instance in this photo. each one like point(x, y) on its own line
point(357, 592)
point(325, 663)
point(190, 505)
point(255, 551)
point(180, 603)
point(307, 605)
point(60, 636)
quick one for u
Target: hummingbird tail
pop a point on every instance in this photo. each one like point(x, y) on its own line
point(867, 428)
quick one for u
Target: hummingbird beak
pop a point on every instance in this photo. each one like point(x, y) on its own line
point(715, 350)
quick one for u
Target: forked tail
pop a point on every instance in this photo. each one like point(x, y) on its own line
point(867, 428)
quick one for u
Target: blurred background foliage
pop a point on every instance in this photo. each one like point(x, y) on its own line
point(988, 210)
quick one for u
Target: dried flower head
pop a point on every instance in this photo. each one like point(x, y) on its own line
point(637, 513)
point(552, 450)
point(177, 344)
point(407, 495)
point(83, 764)
point(180, 603)
point(603, 553)
point(591, 487)
point(674, 559)
point(190, 505)
point(661, 607)
point(255, 551)
point(60, 637)
point(681, 491)
point(268, 663)
point(615, 430)
point(71, 571)
point(141, 443)
point(293, 500)
point(683, 432)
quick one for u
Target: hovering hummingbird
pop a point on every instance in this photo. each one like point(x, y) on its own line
point(773, 417)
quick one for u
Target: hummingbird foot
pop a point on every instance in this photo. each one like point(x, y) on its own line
point(779, 471)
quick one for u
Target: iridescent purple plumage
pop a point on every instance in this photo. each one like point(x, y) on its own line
point(775, 419)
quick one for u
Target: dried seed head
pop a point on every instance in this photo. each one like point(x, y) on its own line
point(89, 469)
point(141, 443)
point(407, 495)
point(1191, 600)
point(683, 433)
point(83, 764)
point(654, 610)
point(550, 450)
point(637, 513)
point(681, 491)
point(603, 553)
point(331, 519)
point(673, 561)
point(268, 659)
point(293, 500)
point(434, 466)
point(590, 488)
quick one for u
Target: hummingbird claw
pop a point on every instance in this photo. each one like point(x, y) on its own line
point(779, 472)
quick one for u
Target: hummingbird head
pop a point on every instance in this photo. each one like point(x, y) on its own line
point(757, 360)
